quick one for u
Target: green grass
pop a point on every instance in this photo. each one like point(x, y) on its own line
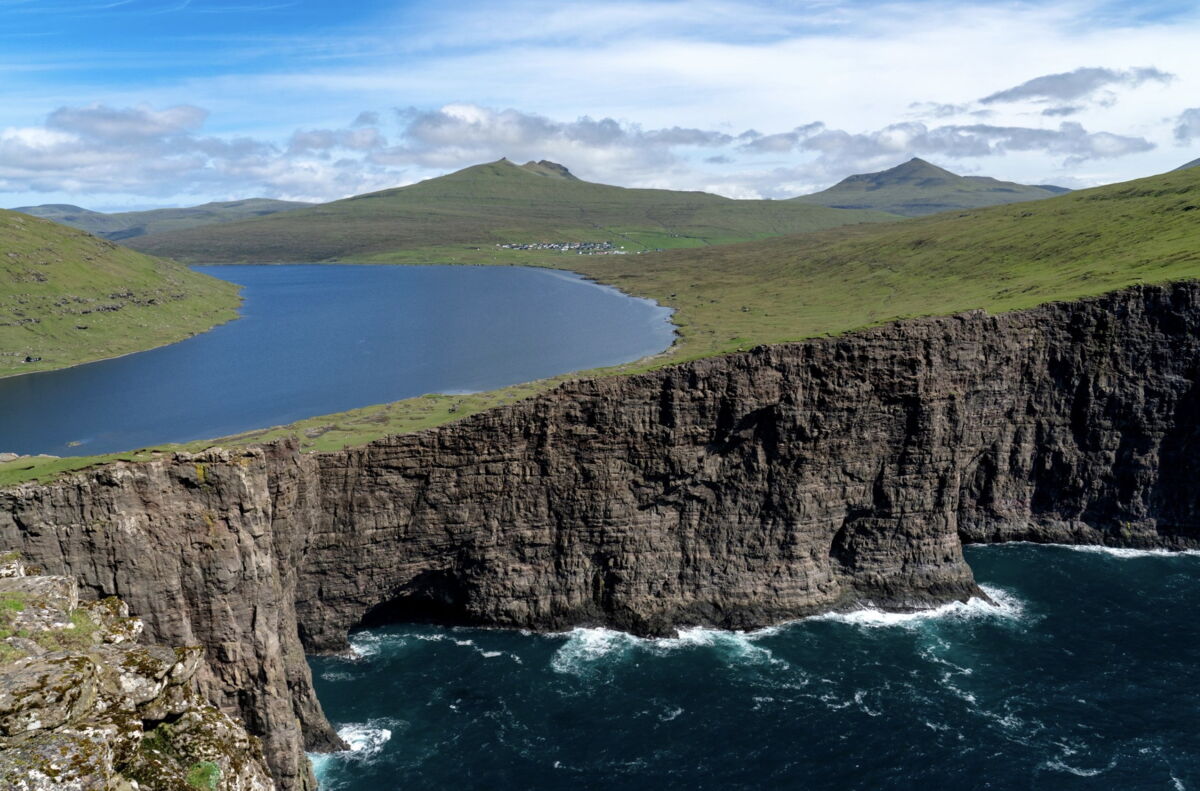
point(918, 188)
point(489, 204)
point(68, 297)
point(792, 288)
point(204, 775)
point(130, 224)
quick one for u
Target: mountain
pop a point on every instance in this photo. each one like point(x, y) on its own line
point(918, 187)
point(131, 224)
point(1195, 163)
point(494, 203)
point(68, 297)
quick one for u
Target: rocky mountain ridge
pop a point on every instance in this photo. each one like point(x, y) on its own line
point(733, 492)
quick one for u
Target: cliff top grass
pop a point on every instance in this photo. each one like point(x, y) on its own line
point(497, 202)
point(67, 297)
point(792, 288)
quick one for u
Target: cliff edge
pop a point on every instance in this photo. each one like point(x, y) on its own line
point(732, 492)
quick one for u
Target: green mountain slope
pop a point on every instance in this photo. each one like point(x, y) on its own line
point(998, 258)
point(917, 188)
point(1195, 163)
point(67, 297)
point(498, 202)
point(131, 224)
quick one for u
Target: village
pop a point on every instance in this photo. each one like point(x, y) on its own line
point(579, 248)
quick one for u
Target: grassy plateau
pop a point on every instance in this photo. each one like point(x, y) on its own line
point(830, 282)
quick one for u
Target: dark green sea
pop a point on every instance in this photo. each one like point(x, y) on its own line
point(1086, 676)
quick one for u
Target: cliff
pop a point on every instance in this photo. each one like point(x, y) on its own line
point(734, 492)
point(83, 706)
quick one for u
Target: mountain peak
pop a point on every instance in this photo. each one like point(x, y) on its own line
point(918, 187)
point(913, 170)
point(548, 169)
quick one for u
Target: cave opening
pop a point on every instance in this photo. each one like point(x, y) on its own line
point(432, 597)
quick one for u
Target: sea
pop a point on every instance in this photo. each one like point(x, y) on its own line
point(1085, 674)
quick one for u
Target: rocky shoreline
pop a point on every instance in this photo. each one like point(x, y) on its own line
point(730, 492)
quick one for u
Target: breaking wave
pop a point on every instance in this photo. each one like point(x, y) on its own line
point(1006, 606)
point(366, 741)
point(585, 646)
point(1126, 552)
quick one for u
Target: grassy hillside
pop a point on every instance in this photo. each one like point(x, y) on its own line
point(1195, 163)
point(917, 188)
point(131, 224)
point(494, 203)
point(68, 297)
point(738, 296)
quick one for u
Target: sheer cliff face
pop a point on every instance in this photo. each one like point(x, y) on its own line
point(733, 492)
point(205, 551)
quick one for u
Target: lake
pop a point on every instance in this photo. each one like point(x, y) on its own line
point(314, 339)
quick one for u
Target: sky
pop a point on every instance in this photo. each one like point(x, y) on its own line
point(129, 104)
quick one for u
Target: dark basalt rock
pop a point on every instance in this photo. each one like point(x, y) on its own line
point(732, 492)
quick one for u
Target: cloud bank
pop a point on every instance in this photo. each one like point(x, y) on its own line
point(149, 151)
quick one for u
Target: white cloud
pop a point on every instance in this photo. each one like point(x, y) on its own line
point(1078, 84)
point(1187, 128)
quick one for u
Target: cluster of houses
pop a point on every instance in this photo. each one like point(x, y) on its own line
point(580, 248)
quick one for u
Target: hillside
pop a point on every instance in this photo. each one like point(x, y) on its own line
point(130, 224)
point(998, 258)
point(791, 288)
point(1195, 163)
point(485, 205)
point(67, 297)
point(917, 188)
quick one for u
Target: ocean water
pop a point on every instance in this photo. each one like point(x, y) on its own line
point(314, 339)
point(1086, 676)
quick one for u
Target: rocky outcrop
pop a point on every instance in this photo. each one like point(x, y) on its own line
point(733, 492)
point(83, 706)
point(206, 551)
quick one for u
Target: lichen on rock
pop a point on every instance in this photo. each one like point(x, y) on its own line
point(84, 707)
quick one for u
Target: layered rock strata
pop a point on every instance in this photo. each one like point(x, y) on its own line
point(84, 707)
point(733, 492)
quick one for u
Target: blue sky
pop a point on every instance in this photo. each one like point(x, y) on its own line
point(112, 104)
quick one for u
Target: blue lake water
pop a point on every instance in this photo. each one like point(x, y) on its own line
point(315, 339)
point(1086, 677)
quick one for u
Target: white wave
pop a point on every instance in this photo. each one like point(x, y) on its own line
point(587, 646)
point(1126, 552)
point(365, 740)
point(670, 714)
point(1007, 606)
point(364, 645)
point(1059, 766)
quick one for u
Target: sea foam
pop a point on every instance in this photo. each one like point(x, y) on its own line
point(366, 740)
point(1126, 552)
point(584, 647)
point(1006, 606)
